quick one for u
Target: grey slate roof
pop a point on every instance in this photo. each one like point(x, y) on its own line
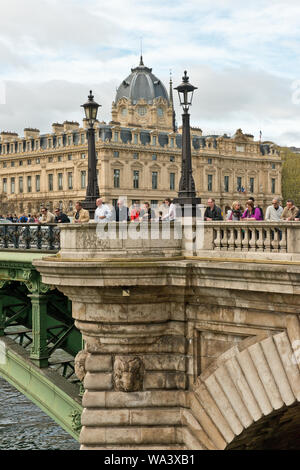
point(141, 83)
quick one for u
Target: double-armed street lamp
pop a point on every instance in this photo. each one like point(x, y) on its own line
point(187, 201)
point(92, 190)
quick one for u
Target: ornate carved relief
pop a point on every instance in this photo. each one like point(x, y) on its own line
point(80, 365)
point(128, 374)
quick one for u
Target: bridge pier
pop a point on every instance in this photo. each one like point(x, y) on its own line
point(180, 352)
point(133, 367)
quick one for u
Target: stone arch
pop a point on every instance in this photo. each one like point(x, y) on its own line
point(253, 380)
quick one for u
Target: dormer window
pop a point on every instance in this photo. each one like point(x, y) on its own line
point(160, 112)
point(124, 112)
point(142, 110)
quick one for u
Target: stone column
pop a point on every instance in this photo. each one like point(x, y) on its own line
point(133, 367)
point(39, 351)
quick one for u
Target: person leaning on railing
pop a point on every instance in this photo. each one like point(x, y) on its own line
point(47, 217)
point(81, 215)
point(251, 213)
point(274, 212)
point(290, 212)
point(212, 212)
point(61, 217)
point(235, 213)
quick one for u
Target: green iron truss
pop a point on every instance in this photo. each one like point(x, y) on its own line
point(40, 341)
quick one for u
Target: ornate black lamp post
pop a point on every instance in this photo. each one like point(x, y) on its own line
point(92, 190)
point(186, 200)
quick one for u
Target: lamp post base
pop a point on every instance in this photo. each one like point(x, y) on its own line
point(187, 206)
point(90, 204)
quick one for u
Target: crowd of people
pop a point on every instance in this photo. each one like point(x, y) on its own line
point(104, 213)
point(274, 213)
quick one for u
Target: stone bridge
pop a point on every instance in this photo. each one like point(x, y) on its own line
point(191, 335)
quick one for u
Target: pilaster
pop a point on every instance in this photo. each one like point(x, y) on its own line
point(133, 367)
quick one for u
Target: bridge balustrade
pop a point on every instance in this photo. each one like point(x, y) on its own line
point(30, 237)
point(248, 236)
point(244, 236)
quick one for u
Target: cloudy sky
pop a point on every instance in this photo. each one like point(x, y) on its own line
point(242, 56)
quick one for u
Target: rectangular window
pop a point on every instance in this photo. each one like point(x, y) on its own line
point(70, 157)
point(82, 138)
point(50, 159)
point(273, 185)
point(37, 183)
point(50, 182)
point(20, 147)
point(226, 183)
point(273, 166)
point(12, 186)
point(21, 184)
point(116, 136)
point(38, 160)
point(82, 156)
point(60, 181)
point(172, 142)
point(172, 158)
point(49, 143)
point(69, 140)
point(209, 161)
point(83, 179)
point(59, 141)
point(136, 175)
point(135, 138)
point(154, 140)
point(154, 203)
point(59, 158)
point(12, 164)
point(154, 157)
point(251, 185)
point(172, 181)
point(29, 188)
point(239, 183)
point(209, 182)
point(5, 185)
point(28, 162)
point(4, 164)
point(135, 156)
point(36, 145)
point(116, 154)
point(116, 178)
point(154, 179)
point(70, 180)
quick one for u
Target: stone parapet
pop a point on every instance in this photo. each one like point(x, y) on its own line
point(120, 240)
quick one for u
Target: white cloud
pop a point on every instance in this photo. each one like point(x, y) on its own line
point(243, 57)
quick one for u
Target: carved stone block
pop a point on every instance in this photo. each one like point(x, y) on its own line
point(128, 374)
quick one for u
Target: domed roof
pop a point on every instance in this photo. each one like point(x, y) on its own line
point(141, 84)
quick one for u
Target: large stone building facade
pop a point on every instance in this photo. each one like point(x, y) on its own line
point(139, 156)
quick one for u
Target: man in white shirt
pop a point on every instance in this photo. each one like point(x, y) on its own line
point(102, 213)
point(171, 214)
point(274, 211)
